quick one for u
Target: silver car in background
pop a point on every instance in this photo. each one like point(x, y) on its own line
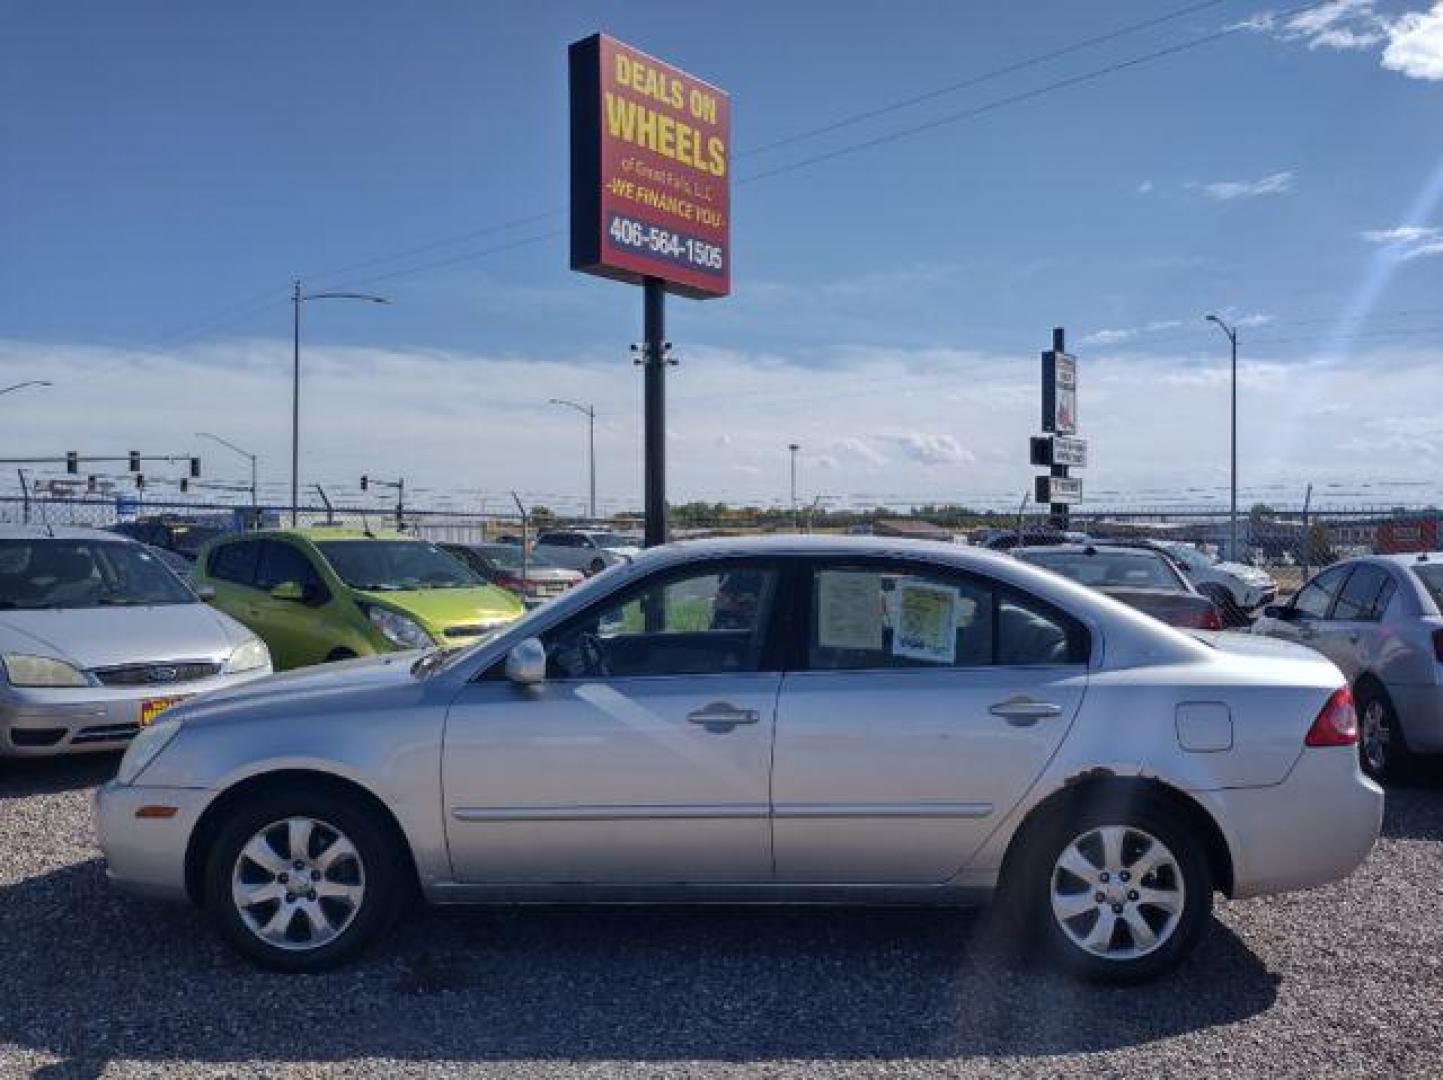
point(98, 637)
point(1380, 619)
point(809, 719)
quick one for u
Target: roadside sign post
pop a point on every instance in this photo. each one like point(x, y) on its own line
point(650, 205)
point(1059, 449)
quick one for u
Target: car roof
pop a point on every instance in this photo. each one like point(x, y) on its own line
point(61, 532)
point(1410, 558)
point(321, 532)
point(1088, 549)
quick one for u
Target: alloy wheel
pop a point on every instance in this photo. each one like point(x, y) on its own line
point(1117, 892)
point(1375, 737)
point(298, 883)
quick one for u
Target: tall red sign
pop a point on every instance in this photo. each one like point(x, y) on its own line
point(650, 171)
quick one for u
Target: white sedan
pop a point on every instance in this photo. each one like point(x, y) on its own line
point(797, 719)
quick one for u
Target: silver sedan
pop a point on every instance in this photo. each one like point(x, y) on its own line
point(1380, 619)
point(804, 719)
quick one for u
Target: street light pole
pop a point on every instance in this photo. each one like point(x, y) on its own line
point(1232, 333)
point(589, 411)
point(23, 385)
point(297, 299)
point(796, 521)
point(255, 505)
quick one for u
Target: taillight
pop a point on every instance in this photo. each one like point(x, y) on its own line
point(1210, 620)
point(1438, 645)
point(506, 581)
point(1337, 724)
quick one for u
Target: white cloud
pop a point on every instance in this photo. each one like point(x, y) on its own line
point(1145, 188)
point(1109, 337)
point(931, 448)
point(1412, 42)
point(899, 425)
point(1415, 44)
point(1279, 183)
point(1407, 242)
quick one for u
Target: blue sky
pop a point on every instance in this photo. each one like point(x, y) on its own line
point(167, 165)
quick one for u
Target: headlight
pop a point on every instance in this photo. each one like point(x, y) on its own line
point(398, 629)
point(21, 670)
point(145, 748)
point(248, 656)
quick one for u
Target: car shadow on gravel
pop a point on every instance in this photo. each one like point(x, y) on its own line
point(23, 777)
point(1413, 810)
point(92, 976)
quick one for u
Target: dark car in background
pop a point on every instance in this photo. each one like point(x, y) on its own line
point(180, 535)
point(1140, 577)
point(534, 578)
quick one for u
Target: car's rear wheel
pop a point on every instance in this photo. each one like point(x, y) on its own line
point(1382, 749)
point(302, 882)
point(1118, 895)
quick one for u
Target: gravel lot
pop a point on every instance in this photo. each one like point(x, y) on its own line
point(1342, 981)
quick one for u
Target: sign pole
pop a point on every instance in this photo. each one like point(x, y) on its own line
point(654, 368)
point(1059, 510)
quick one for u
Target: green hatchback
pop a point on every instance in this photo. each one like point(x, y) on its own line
point(320, 594)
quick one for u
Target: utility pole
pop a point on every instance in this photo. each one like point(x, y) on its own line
point(654, 349)
point(255, 505)
point(589, 411)
point(1232, 333)
point(793, 448)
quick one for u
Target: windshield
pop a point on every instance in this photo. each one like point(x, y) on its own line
point(507, 557)
point(1432, 578)
point(393, 565)
point(1190, 556)
point(84, 574)
point(611, 541)
point(1108, 569)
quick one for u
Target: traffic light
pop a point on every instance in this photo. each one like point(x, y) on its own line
point(195, 467)
point(185, 483)
point(365, 482)
point(72, 462)
point(135, 461)
point(90, 484)
point(139, 481)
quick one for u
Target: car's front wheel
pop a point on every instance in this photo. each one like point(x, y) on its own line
point(1119, 895)
point(302, 882)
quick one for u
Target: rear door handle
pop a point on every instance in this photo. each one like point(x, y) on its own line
point(723, 714)
point(1022, 711)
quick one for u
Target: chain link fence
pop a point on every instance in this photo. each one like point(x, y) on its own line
point(1287, 541)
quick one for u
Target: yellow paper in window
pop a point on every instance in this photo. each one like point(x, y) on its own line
point(926, 622)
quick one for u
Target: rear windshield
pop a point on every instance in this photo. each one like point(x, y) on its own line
point(45, 573)
point(1108, 569)
point(507, 557)
point(392, 565)
point(1431, 575)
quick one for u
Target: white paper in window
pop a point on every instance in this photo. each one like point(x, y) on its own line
point(849, 610)
point(926, 622)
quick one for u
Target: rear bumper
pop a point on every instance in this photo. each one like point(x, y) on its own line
point(145, 856)
point(1315, 827)
point(1420, 712)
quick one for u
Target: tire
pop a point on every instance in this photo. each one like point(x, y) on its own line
point(1382, 747)
point(366, 889)
point(1181, 886)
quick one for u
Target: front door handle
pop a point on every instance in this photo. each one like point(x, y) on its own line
point(723, 714)
point(1021, 710)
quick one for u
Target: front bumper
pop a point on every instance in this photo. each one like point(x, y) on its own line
point(1315, 827)
point(44, 721)
point(145, 856)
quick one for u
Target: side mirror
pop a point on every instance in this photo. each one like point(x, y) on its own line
point(206, 593)
point(1278, 611)
point(290, 590)
point(526, 662)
